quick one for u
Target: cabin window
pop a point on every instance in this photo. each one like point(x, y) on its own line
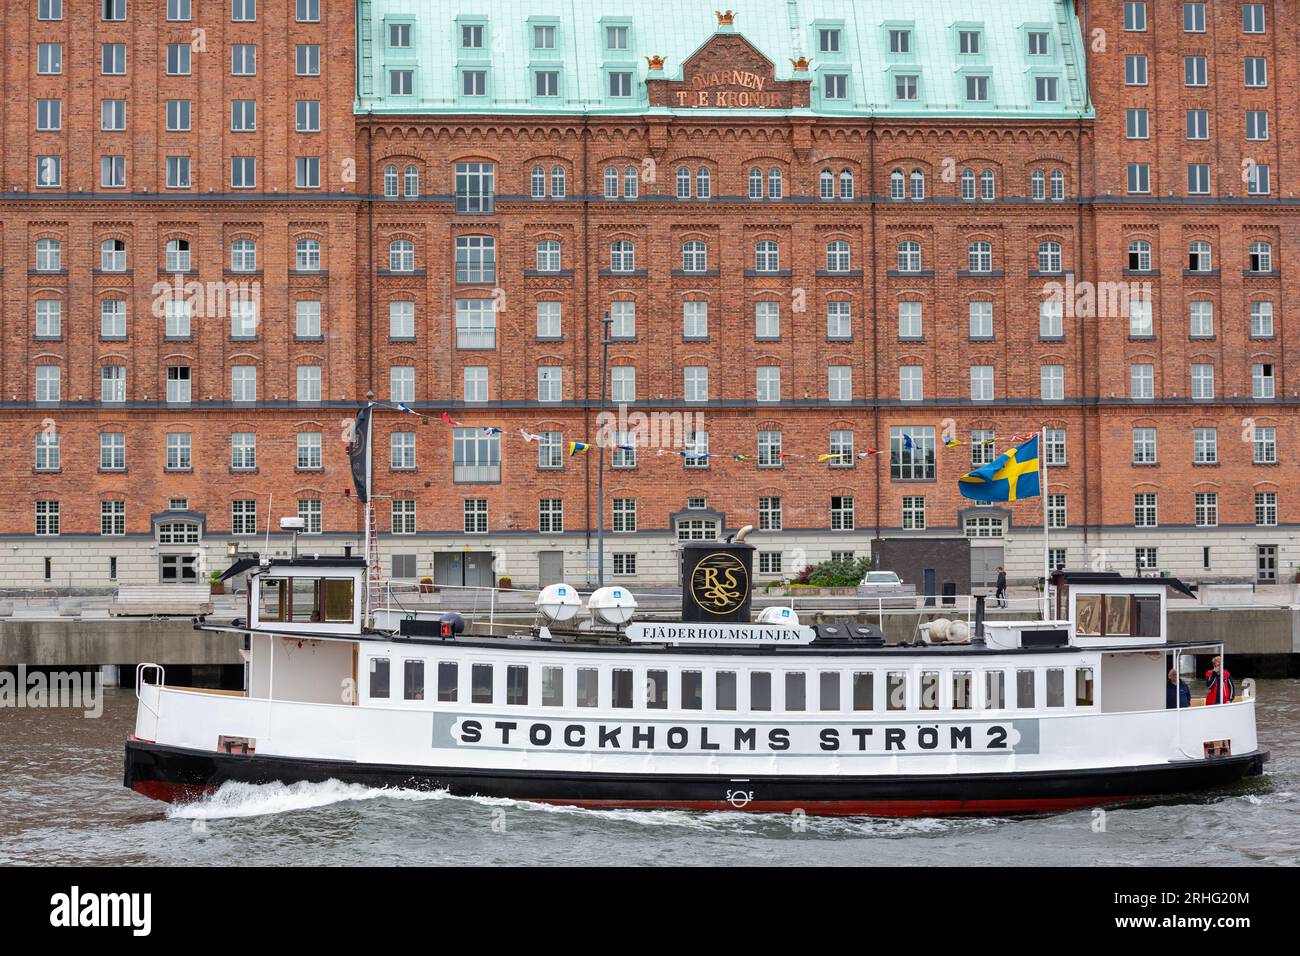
point(622, 687)
point(588, 687)
point(1117, 611)
point(656, 690)
point(760, 690)
point(413, 680)
point(305, 591)
point(830, 690)
point(378, 678)
point(552, 686)
point(517, 684)
point(961, 690)
point(448, 679)
point(692, 690)
point(896, 690)
point(1119, 615)
point(1083, 687)
point(1148, 615)
point(480, 679)
point(270, 604)
point(796, 691)
point(338, 600)
point(929, 690)
point(995, 690)
point(724, 688)
point(1024, 689)
point(864, 690)
point(1055, 687)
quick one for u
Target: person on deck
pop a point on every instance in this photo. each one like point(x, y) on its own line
point(1177, 693)
point(1001, 594)
point(1218, 681)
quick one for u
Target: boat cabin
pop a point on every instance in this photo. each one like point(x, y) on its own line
point(308, 595)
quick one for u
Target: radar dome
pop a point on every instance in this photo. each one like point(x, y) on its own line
point(558, 602)
point(613, 605)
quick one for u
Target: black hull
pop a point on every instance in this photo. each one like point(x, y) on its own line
point(178, 774)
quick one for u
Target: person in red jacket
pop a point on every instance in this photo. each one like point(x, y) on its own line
point(1218, 683)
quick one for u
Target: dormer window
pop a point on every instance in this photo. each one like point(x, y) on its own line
point(968, 42)
point(828, 41)
point(900, 41)
point(544, 37)
point(1037, 41)
point(616, 38)
point(399, 36)
point(471, 36)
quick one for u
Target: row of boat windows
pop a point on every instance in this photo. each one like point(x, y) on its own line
point(728, 690)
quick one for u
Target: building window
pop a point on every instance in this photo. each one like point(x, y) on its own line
point(49, 379)
point(695, 384)
point(839, 320)
point(1051, 324)
point(981, 383)
point(909, 256)
point(1202, 320)
point(403, 516)
point(911, 453)
point(307, 255)
point(476, 259)
point(623, 515)
point(47, 519)
point(309, 451)
point(624, 564)
point(1261, 257)
point(47, 451)
point(769, 513)
point(475, 187)
point(243, 59)
point(1052, 379)
point(401, 382)
point(842, 513)
point(1202, 381)
point(1144, 510)
point(549, 383)
point(768, 383)
point(401, 255)
point(401, 451)
point(1144, 446)
point(112, 451)
point(1265, 509)
point(178, 451)
point(550, 515)
point(911, 383)
point(243, 516)
point(982, 446)
point(979, 256)
point(1265, 445)
point(914, 512)
point(243, 451)
point(1205, 446)
point(112, 319)
point(769, 449)
point(1263, 381)
point(1256, 72)
point(1049, 257)
point(1207, 509)
point(622, 256)
point(49, 59)
point(1054, 447)
point(695, 256)
point(307, 172)
point(1139, 178)
point(981, 319)
point(984, 526)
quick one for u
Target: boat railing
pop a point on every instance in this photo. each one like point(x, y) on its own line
point(140, 670)
point(493, 600)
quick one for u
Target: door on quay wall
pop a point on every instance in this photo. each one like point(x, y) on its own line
point(550, 567)
point(1266, 564)
point(984, 564)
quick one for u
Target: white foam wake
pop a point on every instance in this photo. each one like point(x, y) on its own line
point(234, 800)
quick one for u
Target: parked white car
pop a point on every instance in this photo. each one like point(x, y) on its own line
point(886, 584)
point(881, 579)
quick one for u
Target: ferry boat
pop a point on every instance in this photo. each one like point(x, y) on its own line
point(589, 706)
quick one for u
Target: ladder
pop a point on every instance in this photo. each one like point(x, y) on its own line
point(373, 571)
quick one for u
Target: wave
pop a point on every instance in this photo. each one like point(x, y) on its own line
point(234, 800)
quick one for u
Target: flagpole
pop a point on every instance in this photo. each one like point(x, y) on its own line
point(1042, 471)
point(370, 431)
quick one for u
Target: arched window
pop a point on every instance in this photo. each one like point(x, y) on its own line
point(1261, 257)
point(390, 182)
point(979, 256)
point(401, 256)
point(918, 184)
point(611, 182)
point(1058, 185)
point(774, 189)
point(411, 186)
point(683, 183)
point(838, 258)
point(846, 184)
point(307, 255)
point(1049, 257)
point(178, 255)
point(967, 184)
point(548, 255)
point(538, 182)
point(755, 183)
point(897, 185)
point(1038, 185)
point(909, 256)
point(695, 256)
point(826, 184)
point(1139, 256)
point(112, 255)
point(243, 255)
point(767, 256)
point(558, 188)
point(1199, 257)
point(622, 255)
point(631, 182)
point(703, 183)
point(987, 185)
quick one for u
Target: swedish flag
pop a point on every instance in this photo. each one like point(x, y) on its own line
point(1012, 475)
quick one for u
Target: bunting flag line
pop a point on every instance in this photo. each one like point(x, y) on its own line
point(530, 437)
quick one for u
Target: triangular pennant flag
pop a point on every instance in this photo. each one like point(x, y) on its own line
point(952, 442)
point(447, 419)
point(869, 452)
point(742, 457)
point(491, 430)
point(529, 436)
point(578, 448)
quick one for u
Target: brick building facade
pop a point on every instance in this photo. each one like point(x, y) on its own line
point(802, 255)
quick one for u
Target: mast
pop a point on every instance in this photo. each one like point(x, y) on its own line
point(373, 569)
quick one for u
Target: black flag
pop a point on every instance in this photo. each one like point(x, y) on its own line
point(357, 454)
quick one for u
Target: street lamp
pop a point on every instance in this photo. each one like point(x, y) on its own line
point(607, 323)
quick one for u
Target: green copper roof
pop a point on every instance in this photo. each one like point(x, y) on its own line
point(484, 56)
